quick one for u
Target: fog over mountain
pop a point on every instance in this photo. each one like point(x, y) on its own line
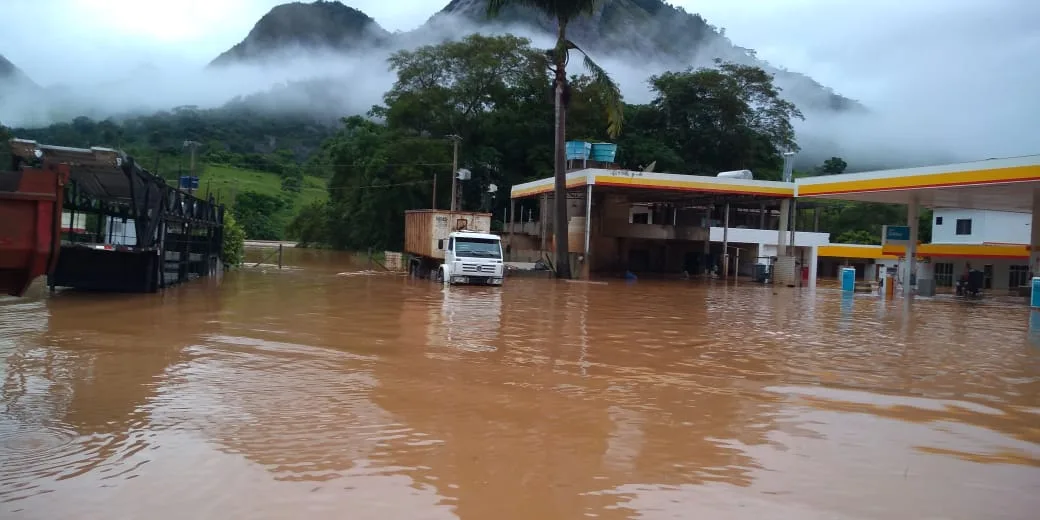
point(965, 92)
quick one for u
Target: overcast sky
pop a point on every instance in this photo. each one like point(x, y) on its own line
point(927, 58)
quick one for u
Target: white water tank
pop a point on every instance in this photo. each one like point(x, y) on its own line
point(737, 174)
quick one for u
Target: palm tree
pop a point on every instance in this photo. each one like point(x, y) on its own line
point(564, 12)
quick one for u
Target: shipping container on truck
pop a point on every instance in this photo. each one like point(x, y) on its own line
point(455, 247)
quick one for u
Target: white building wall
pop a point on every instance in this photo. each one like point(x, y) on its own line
point(986, 226)
point(769, 236)
point(765, 240)
point(1001, 269)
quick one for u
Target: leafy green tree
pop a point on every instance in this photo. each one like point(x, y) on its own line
point(832, 166)
point(564, 12)
point(725, 118)
point(5, 149)
point(370, 190)
point(260, 215)
point(234, 241)
point(292, 182)
point(310, 225)
point(492, 92)
point(857, 236)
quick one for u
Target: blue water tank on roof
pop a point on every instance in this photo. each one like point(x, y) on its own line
point(604, 152)
point(578, 150)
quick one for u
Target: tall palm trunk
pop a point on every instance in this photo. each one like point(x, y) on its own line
point(563, 264)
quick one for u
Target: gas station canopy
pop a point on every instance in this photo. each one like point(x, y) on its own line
point(993, 184)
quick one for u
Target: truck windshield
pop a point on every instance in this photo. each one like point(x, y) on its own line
point(478, 248)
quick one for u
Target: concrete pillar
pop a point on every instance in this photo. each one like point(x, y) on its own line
point(816, 220)
point(1034, 239)
point(588, 228)
point(725, 244)
point(912, 211)
point(543, 219)
point(512, 219)
point(762, 217)
point(781, 241)
point(707, 239)
point(814, 260)
point(1034, 255)
point(794, 226)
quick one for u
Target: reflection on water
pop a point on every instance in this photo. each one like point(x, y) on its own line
point(331, 390)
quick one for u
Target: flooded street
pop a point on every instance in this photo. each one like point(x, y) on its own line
point(328, 391)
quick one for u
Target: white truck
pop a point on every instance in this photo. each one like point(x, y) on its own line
point(453, 247)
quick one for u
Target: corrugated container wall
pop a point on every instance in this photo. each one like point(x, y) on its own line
point(426, 231)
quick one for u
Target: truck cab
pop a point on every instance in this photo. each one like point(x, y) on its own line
point(473, 258)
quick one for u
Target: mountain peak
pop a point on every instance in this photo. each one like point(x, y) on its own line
point(8, 70)
point(315, 26)
point(12, 76)
point(653, 31)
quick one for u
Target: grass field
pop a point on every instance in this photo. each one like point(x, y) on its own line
point(223, 181)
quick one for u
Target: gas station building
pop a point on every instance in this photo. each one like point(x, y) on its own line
point(648, 222)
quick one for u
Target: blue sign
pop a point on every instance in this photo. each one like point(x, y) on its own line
point(896, 233)
point(189, 183)
point(1034, 298)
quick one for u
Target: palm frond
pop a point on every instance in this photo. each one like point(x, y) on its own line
point(610, 89)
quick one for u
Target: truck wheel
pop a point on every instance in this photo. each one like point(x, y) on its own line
point(438, 276)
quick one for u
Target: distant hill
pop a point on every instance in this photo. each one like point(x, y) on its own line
point(7, 69)
point(648, 31)
point(9, 74)
point(17, 91)
point(317, 26)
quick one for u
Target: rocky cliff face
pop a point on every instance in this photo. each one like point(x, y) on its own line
point(653, 31)
point(317, 26)
point(9, 73)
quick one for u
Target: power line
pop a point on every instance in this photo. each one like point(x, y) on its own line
point(413, 183)
point(354, 165)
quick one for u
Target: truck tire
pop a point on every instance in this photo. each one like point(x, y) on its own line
point(438, 275)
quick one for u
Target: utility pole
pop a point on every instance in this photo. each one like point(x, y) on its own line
point(433, 204)
point(454, 170)
point(785, 207)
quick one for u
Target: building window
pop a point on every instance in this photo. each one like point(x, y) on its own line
point(944, 275)
point(1018, 275)
point(964, 226)
point(938, 221)
point(640, 218)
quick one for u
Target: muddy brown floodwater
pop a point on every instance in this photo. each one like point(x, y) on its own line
point(324, 391)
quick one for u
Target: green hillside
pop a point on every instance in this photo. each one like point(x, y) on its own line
point(225, 181)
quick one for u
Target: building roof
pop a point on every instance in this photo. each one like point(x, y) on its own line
point(994, 184)
point(663, 182)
